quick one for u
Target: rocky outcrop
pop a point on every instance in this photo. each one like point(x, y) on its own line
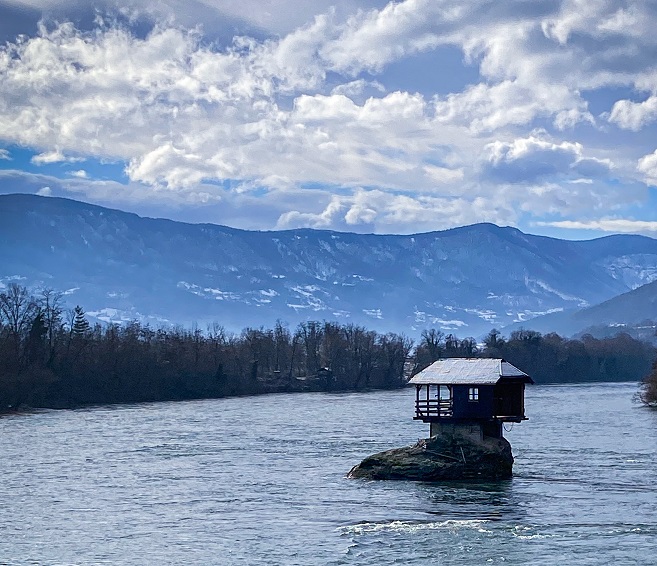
point(442, 457)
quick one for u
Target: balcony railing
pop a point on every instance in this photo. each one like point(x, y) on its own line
point(440, 408)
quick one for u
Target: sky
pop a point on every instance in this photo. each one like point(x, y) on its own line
point(352, 115)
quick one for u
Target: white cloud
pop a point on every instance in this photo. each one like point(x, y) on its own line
point(4, 155)
point(357, 87)
point(112, 193)
point(369, 40)
point(179, 113)
point(80, 174)
point(442, 175)
point(324, 219)
point(177, 167)
point(44, 191)
point(634, 115)
point(570, 199)
point(379, 211)
point(55, 156)
point(486, 108)
point(616, 225)
point(533, 158)
point(648, 166)
point(313, 106)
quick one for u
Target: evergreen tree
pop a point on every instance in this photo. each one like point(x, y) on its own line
point(80, 324)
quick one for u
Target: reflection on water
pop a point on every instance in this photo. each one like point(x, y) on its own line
point(262, 481)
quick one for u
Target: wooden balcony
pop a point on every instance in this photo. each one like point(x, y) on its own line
point(433, 408)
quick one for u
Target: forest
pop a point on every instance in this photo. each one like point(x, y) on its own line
point(51, 356)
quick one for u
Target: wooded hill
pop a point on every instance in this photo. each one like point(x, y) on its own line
point(468, 280)
point(53, 357)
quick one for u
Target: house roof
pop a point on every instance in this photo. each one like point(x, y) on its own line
point(466, 371)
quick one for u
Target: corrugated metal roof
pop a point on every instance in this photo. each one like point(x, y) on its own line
point(463, 371)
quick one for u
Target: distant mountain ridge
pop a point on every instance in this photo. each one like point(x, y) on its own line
point(467, 280)
point(634, 312)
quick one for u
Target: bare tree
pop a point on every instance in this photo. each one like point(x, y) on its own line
point(51, 305)
point(311, 336)
point(395, 349)
point(18, 308)
point(648, 393)
point(433, 341)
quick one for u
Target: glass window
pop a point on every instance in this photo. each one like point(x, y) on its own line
point(473, 394)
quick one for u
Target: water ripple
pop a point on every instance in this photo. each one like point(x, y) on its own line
point(204, 483)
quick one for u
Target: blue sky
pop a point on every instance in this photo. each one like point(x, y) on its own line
point(364, 116)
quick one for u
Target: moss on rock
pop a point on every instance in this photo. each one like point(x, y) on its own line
point(442, 457)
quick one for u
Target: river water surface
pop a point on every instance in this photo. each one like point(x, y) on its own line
point(261, 480)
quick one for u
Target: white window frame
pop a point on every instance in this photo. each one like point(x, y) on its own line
point(473, 394)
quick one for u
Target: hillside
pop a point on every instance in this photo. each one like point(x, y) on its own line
point(634, 312)
point(466, 280)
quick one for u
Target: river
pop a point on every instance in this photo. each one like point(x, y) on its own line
point(261, 480)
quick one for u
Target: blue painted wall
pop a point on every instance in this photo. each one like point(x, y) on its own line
point(466, 409)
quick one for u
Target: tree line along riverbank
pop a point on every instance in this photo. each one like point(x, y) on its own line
point(53, 357)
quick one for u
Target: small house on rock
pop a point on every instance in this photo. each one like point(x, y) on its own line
point(472, 395)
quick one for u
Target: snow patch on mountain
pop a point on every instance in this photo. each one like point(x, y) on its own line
point(524, 316)
point(110, 315)
point(116, 295)
point(341, 314)
point(209, 292)
point(7, 279)
point(633, 270)
point(307, 295)
point(475, 277)
point(487, 315)
point(535, 284)
point(423, 317)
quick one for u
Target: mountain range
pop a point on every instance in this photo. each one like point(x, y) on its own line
point(468, 280)
point(634, 312)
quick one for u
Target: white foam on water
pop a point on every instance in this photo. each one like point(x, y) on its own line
point(412, 526)
point(527, 533)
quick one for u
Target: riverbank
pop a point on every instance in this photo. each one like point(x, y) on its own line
point(62, 395)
